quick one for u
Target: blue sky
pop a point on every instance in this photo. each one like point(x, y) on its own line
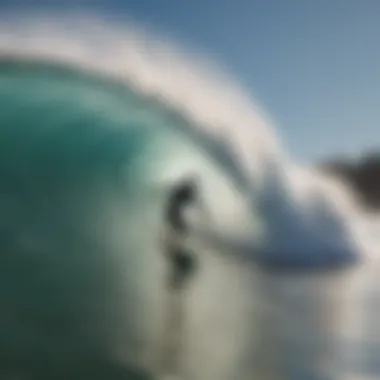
point(314, 64)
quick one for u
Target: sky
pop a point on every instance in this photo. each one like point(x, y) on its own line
point(313, 64)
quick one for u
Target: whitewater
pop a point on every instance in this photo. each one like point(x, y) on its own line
point(106, 119)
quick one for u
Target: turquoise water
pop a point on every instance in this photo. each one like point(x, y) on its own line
point(85, 166)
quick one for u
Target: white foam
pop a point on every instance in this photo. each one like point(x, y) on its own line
point(200, 90)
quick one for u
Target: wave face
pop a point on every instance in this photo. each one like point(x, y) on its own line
point(88, 155)
point(97, 123)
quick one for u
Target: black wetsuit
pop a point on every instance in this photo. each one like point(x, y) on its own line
point(182, 260)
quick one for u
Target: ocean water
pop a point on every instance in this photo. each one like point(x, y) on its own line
point(97, 123)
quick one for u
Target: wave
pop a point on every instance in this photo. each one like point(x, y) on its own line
point(184, 117)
